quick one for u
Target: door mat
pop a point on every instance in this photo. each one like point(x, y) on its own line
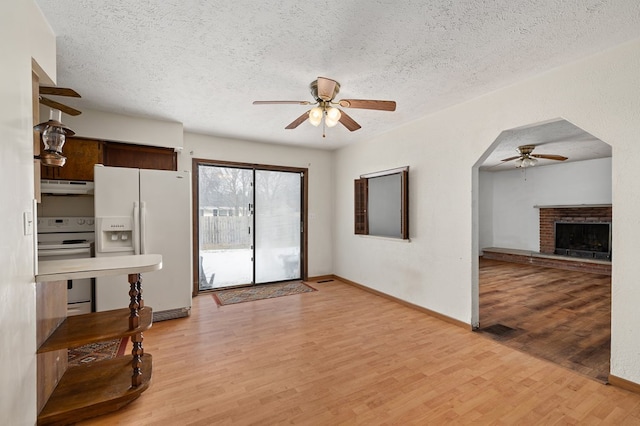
point(99, 351)
point(258, 292)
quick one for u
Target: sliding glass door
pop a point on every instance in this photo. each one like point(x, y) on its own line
point(249, 225)
point(278, 226)
point(225, 196)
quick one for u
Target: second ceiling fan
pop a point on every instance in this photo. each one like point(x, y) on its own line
point(324, 91)
point(527, 159)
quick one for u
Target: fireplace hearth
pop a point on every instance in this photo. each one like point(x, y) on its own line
point(587, 256)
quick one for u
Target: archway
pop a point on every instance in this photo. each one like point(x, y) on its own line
point(544, 303)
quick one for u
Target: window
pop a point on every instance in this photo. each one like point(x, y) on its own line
point(381, 204)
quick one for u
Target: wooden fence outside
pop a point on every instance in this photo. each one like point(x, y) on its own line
point(232, 232)
point(221, 232)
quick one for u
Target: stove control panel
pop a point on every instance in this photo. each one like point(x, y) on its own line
point(47, 225)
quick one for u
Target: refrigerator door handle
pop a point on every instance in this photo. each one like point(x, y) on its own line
point(143, 227)
point(136, 228)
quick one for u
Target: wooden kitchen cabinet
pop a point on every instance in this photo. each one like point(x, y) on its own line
point(82, 154)
point(140, 156)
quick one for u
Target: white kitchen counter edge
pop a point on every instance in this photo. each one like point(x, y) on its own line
point(68, 269)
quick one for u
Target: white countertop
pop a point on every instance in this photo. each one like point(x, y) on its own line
point(56, 270)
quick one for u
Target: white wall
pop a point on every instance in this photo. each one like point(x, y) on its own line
point(438, 268)
point(25, 35)
point(485, 209)
point(514, 221)
point(122, 128)
point(320, 177)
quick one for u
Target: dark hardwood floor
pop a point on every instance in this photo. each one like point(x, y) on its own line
point(561, 316)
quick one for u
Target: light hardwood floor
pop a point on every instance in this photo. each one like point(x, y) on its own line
point(562, 316)
point(342, 356)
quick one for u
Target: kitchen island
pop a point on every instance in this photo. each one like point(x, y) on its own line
point(69, 394)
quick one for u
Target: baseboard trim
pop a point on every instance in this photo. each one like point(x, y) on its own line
point(624, 384)
point(405, 303)
point(321, 278)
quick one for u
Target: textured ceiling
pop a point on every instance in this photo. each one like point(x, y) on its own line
point(202, 63)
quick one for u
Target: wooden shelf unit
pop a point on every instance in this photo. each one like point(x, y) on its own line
point(90, 390)
point(81, 392)
point(95, 327)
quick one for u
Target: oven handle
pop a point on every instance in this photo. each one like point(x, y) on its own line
point(64, 252)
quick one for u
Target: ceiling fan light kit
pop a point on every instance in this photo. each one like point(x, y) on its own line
point(324, 90)
point(526, 162)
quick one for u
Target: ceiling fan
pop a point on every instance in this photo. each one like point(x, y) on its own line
point(527, 159)
point(324, 90)
point(58, 91)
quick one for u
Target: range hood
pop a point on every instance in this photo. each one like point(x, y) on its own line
point(66, 187)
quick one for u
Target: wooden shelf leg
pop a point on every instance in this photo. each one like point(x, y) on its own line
point(139, 288)
point(135, 298)
point(135, 304)
point(137, 352)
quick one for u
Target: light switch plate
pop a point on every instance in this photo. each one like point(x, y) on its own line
point(27, 221)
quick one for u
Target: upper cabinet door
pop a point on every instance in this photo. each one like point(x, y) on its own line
point(140, 156)
point(82, 155)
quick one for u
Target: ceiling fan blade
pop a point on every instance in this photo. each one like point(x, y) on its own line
point(368, 104)
point(348, 122)
point(511, 158)
point(326, 88)
point(550, 157)
point(58, 91)
point(295, 123)
point(281, 102)
point(57, 105)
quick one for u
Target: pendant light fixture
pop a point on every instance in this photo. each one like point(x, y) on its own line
point(53, 134)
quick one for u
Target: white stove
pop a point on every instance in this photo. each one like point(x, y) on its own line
point(69, 238)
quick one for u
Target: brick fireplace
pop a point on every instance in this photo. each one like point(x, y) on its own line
point(549, 215)
point(574, 214)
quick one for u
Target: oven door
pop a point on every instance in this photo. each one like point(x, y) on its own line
point(79, 291)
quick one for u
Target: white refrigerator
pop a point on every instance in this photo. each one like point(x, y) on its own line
point(142, 211)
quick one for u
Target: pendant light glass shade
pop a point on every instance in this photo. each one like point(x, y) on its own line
point(53, 138)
